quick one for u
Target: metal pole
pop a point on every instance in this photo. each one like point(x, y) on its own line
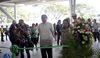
point(72, 8)
point(15, 13)
point(6, 13)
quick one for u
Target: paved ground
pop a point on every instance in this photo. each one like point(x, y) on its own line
point(37, 54)
point(34, 53)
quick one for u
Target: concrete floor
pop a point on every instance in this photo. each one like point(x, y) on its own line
point(34, 53)
point(37, 54)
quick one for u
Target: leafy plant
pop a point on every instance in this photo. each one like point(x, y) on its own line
point(76, 50)
point(79, 43)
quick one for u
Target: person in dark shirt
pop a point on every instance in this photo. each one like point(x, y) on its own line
point(7, 32)
point(13, 33)
point(58, 28)
point(24, 32)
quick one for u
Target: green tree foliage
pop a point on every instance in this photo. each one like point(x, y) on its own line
point(57, 10)
point(83, 10)
point(11, 12)
point(23, 14)
point(1, 15)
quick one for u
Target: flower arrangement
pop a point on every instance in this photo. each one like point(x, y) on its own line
point(82, 33)
point(79, 43)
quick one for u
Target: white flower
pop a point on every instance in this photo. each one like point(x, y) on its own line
point(86, 25)
point(87, 32)
point(75, 27)
point(90, 38)
point(82, 24)
point(85, 36)
point(83, 42)
point(72, 31)
point(85, 39)
point(78, 30)
point(78, 27)
point(82, 31)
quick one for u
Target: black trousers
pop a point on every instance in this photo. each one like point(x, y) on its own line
point(45, 52)
point(2, 37)
point(22, 45)
point(14, 41)
point(96, 35)
point(58, 37)
point(6, 36)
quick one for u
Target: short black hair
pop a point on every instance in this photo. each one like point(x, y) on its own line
point(1, 25)
point(21, 20)
point(33, 24)
point(44, 15)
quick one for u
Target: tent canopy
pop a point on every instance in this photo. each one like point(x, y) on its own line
point(18, 2)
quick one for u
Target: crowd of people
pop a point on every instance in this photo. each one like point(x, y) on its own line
point(22, 35)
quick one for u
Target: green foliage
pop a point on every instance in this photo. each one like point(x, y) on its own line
point(83, 10)
point(97, 51)
point(76, 50)
point(99, 55)
point(57, 10)
point(23, 14)
point(2, 14)
point(79, 43)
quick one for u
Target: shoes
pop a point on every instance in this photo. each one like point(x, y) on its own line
point(37, 49)
point(0, 51)
point(17, 54)
point(2, 41)
point(31, 49)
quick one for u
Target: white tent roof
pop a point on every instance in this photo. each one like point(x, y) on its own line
point(17, 2)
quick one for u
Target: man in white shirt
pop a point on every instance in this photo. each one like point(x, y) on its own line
point(46, 37)
point(95, 30)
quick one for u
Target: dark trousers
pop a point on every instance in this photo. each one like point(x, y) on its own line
point(96, 35)
point(2, 37)
point(58, 37)
point(6, 36)
point(45, 52)
point(22, 45)
point(14, 41)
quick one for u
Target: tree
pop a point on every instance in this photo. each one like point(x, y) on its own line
point(57, 10)
point(1, 15)
point(83, 10)
point(23, 14)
